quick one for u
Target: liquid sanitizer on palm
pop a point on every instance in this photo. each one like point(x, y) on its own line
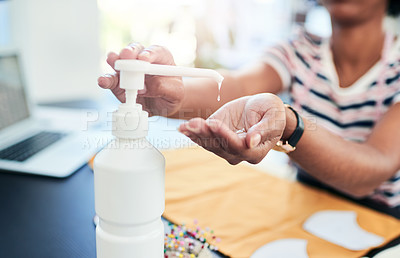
point(129, 173)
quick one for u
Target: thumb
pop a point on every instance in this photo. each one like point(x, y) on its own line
point(268, 130)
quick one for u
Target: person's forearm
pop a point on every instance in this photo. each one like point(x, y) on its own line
point(201, 95)
point(354, 168)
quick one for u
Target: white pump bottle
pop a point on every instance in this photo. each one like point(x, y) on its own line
point(129, 173)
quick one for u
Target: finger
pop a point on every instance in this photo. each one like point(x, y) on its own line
point(146, 104)
point(136, 45)
point(153, 86)
point(160, 86)
point(206, 139)
point(169, 88)
point(111, 58)
point(119, 93)
point(233, 142)
point(194, 125)
point(195, 130)
point(108, 81)
point(156, 55)
point(268, 130)
point(130, 52)
point(142, 91)
point(200, 128)
point(184, 129)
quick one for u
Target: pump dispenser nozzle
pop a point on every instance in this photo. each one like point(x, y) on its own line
point(133, 71)
point(130, 121)
point(142, 67)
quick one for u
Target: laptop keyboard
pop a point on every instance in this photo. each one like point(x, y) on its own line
point(25, 149)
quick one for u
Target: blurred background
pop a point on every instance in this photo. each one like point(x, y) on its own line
point(63, 44)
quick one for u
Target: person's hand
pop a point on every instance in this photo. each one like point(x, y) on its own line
point(162, 95)
point(242, 130)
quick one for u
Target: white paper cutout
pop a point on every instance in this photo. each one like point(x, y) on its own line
point(283, 248)
point(392, 252)
point(341, 228)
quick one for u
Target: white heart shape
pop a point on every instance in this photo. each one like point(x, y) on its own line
point(283, 248)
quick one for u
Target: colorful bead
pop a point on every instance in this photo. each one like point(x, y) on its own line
point(184, 242)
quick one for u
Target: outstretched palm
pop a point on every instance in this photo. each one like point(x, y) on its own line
point(243, 129)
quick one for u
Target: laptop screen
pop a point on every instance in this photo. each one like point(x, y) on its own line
point(13, 103)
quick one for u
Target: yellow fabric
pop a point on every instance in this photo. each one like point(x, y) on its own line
point(248, 208)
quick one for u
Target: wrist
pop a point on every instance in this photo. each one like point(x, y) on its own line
point(291, 123)
point(292, 133)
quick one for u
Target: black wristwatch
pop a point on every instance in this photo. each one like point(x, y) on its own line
point(290, 145)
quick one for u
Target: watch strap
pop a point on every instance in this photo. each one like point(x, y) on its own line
point(298, 132)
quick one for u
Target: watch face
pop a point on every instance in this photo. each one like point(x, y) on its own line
point(286, 148)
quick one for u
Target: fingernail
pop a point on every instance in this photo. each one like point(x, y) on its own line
point(255, 140)
point(212, 125)
point(193, 129)
point(181, 129)
point(110, 54)
point(125, 49)
point(126, 52)
point(144, 54)
point(186, 133)
point(102, 81)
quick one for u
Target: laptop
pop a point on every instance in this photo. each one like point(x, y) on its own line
point(29, 144)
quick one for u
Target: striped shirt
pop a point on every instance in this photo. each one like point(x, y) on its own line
point(306, 68)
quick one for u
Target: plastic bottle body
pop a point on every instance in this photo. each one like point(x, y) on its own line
point(129, 199)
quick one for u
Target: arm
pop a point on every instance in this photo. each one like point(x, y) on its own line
point(200, 99)
point(168, 96)
point(354, 168)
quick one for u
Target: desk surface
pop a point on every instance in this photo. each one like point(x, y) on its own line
point(47, 217)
